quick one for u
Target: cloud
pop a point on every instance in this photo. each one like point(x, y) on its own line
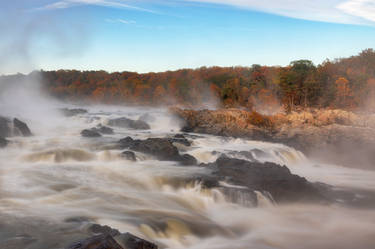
point(335, 11)
point(360, 8)
point(121, 21)
point(64, 4)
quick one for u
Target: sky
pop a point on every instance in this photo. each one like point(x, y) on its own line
point(145, 35)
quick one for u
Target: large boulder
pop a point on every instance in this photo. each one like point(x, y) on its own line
point(129, 123)
point(266, 177)
point(104, 241)
point(22, 127)
point(90, 133)
point(5, 127)
point(162, 148)
point(106, 237)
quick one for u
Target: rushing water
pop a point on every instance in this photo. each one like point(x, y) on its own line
point(53, 183)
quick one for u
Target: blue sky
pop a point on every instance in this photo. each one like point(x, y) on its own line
point(144, 36)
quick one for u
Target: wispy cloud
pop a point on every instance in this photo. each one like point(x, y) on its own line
point(360, 8)
point(336, 11)
point(64, 4)
point(119, 20)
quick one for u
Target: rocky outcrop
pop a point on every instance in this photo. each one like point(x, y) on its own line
point(129, 123)
point(21, 127)
point(161, 148)
point(265, 177)
point(334, 136)
point(226, 122)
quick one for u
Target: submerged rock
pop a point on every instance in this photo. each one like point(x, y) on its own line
point(72, 112)
point(5, 129)
point(129, 155)
point(22, 127)
point(147, 118)
point(90, 133)
point(129, 123)
point(3, 142)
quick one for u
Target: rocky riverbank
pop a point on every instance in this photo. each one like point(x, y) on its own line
point(329, 135)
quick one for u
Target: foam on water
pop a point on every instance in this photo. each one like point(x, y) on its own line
point(57, 175)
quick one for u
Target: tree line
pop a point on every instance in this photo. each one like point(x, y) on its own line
point(347, 83)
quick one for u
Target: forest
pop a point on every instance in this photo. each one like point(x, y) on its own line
point(346, 83)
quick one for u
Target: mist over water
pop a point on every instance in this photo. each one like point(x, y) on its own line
point(54, 183)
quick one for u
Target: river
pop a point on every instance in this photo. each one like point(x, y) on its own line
point(56, 182)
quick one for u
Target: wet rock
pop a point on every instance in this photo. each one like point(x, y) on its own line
point(22, 127)
point(179, 138)
point(5, 129)
point(97, 242)
point(161, 148)
point(126, 142)
point(129, 155)
point(129, 123)
point(129, 241)
point(106, 237)
point(3, 142)
point(106, 230)
point(275, 179)
point(90, 133)
point(73, 112)
point(103, 130)
point(147, 118)
point(187, 159)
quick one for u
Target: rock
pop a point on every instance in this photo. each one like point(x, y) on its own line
point(22, 127)
point(161, 148)
point(90, 133)
point(129, 155)
point(129, 123)
point(126, 142)
point(147, 118)
point(187, 159)
point(97, 242)
point(129, 241)
point(106, 230)
point(3, 142)
point(72, 112)
point(179, 138)
point(106, 237)
point(275, 179)
point(5, 129)
point(103, 130)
